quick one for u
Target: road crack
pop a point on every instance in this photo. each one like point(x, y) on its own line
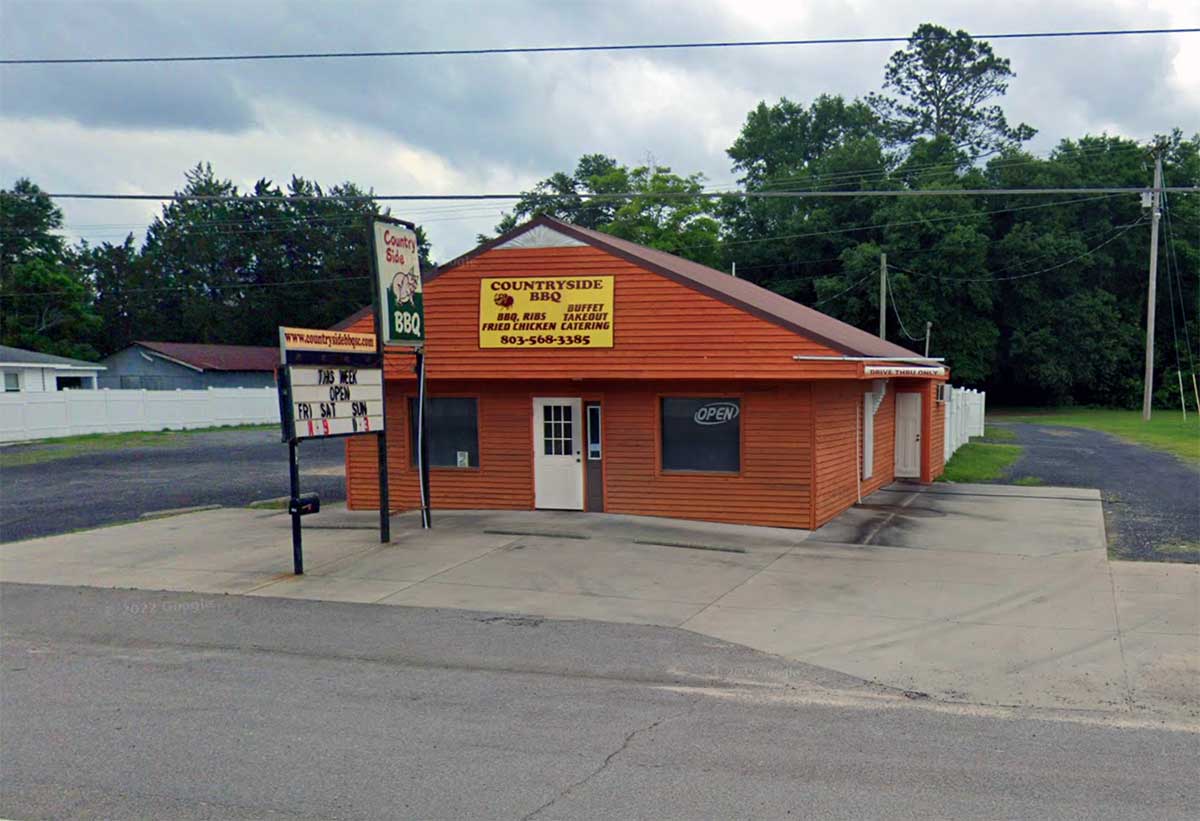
point(608, 759)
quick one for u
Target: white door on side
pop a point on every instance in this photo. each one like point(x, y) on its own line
point(908, 435)
point(558, 453)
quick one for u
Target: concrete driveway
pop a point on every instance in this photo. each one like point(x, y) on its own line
point(980, 594)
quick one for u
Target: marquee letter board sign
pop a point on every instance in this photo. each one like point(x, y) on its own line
point(331, 384)
point(546, 312)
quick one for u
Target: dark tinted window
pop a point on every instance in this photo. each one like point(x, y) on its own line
point(701, 434)
point(453, 431)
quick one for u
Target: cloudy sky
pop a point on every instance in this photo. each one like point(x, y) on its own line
point(499, 123)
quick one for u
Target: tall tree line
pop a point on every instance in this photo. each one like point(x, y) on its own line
point(219, 271)
point(1040, 300)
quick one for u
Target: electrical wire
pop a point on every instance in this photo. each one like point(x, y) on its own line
point(460, 52)
point(626, 195)
point(840, 293)
point(891, 292)
point(197, 287)
point(1169, 232)
point(993, 278)
point(845, 177)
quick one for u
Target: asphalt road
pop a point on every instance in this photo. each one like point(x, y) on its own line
point(132, 704)
point(233, 467)
point(1151, 499)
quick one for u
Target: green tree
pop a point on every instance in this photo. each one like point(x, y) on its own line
point(668, 212)
point(45, 302)
point(940, 85)
point(791, 245)
point(124, 298)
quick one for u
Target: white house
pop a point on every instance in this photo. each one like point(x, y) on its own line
point(22, 370)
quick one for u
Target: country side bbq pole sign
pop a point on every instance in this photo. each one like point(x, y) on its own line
point(400, 323)
point(330, 385)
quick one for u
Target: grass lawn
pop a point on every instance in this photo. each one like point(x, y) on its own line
point(1165, 431)
point(980, 462)
point(46, 450)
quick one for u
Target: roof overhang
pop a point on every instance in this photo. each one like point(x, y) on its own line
point(53, 366)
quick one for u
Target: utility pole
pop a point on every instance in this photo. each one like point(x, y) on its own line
point(1156, 197)
point(928, 328)
point(883, 296)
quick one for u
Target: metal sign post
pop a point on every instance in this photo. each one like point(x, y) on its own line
point(400, 323)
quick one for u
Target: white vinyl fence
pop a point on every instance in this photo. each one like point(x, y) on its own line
point(43, 415)
point(964, 417)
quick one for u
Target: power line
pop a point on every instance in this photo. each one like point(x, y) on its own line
point(625, 195)
point(464, 52)
point(992, 278)
point(844, 291)
point(1173, 263)
point(196, 287)
point(896, 310)
point(844, 177)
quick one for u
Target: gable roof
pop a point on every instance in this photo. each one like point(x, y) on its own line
point(216, 357)
point(747, 296)
point(20, 356)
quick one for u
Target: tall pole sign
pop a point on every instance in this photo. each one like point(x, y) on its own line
point(400, 323)
point(330, 384)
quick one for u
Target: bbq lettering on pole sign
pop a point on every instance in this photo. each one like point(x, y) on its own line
point(546, 312)
point(397, 265)
point(336, 401)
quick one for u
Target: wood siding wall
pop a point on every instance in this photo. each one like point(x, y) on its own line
point(661, 330)
point(772, 488)
point(837, 448)
point(799, 457)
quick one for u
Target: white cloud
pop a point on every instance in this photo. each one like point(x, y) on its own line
point(443, 125)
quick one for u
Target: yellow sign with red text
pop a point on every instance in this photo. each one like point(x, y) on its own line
point(546, 312)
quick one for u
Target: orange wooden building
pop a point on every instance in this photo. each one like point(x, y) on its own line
point(568, 369)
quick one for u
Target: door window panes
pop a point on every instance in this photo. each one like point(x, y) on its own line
point(557, 432)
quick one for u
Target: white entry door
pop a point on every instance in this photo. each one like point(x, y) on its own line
point(558, 453)
point(908, 435)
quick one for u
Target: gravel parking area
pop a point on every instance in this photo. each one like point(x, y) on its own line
point(233, 467)
point(1151, 499)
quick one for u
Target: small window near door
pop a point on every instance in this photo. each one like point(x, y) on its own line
point(12, 382)
point(558, 430)
point(702, 434)
point(593, 432)
point(868, 435)
point(453, 424)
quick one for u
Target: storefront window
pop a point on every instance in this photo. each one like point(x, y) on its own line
point(701, 434)
point(453, 424)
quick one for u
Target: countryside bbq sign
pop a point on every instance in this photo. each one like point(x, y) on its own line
point(546, 312)
point(398, 271)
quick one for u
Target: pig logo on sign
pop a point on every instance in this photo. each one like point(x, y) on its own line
point(404, 287)
point(503, 300)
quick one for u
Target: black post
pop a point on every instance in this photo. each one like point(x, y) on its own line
point(297, 550)
point(423, 443)
point(385, 519)
point(380, 300)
